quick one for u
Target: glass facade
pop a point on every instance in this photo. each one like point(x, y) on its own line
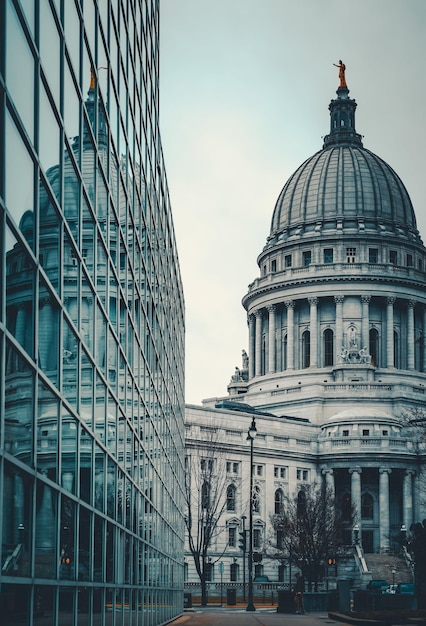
point(91, 321)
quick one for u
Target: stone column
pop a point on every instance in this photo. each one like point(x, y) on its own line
point(258, 349)
point(365, 329)
point(410, 335)
point(355, 473)
point(313, 328)
point(384, 509)
point(329, 480)
point(389, 333)
point(407, 499)
point(290, 334)
point(252, 345)
point(271, 350)
point(339, 325)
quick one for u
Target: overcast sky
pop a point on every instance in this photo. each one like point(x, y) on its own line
point(244, 92)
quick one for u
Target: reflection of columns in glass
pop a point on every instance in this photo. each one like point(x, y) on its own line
point(45, 330)
point(271, 346)
point(407, 498)
point(258, 349)
point(313, 303)
point(365, 323)
point(389, 332)
point(67, 480)
point(410, 335)
point(329, 480)
point(18, 505)
point(339, 325)
point(45, 521)
point(252, 345)
point(355, 473)
point(290, 334)
point(384, 508)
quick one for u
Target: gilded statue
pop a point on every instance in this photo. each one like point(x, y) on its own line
point(342, 69)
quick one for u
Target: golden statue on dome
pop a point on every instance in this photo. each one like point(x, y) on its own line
point(342, 69)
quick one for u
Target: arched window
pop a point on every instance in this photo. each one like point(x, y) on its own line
point(256, 500)
point(306, 349)
point(233, 572)
point(374, 347)
point(328, 347)
point(367, 510)
point(279, 501)
point(396, 349)
point(284, 353)
point(301, 504)
point(230, 498)
point(205, 495)
point(264, 368)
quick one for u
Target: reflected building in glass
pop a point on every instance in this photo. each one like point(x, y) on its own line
point(91, 321)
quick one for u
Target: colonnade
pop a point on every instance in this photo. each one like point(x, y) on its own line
point(383, 503)
point(257, 341)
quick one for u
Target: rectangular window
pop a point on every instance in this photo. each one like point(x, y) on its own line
point(373, 255)
point(232, 467)
point(279, 472)
point(232, 537)
point(207, 464)
point(420, 265)
point(273, 265)
point(409, 260)
point(257, 538)
point(350, 255)
point(307, 258)
point(259, 470)
point(302, 474)
point(365, 433)
point(345, 433)
point(287, 260)
point(393, 257)
point(328, 255)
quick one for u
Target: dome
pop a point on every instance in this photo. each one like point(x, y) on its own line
point(342, 185)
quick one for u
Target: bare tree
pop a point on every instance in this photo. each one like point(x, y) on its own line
point(307, 531)
point(205, 491)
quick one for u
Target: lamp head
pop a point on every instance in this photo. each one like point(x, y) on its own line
point(252, 431)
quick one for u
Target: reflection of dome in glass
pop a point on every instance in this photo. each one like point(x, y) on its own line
point(343, 184)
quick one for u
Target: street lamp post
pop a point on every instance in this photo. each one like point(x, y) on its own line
point(252, 431)
point(243, 517)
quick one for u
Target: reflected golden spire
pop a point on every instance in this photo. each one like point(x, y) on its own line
point(92, 78)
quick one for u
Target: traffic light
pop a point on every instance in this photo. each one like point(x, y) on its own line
point(66, 560)
point(243, 541)
point(331, 560)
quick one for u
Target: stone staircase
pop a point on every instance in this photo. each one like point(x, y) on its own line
point(382, 566)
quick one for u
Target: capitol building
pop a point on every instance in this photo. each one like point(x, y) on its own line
point(336, 358)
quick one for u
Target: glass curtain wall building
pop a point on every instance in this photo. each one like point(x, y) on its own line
point(91, 321)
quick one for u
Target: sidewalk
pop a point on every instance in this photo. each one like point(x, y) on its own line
point(219, 616)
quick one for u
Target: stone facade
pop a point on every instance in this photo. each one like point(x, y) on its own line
point(336, 349)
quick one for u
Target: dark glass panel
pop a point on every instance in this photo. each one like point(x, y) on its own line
point(45, 564)
point(19, 177)
point(49, 238)
point(47, 432)
point(18, 415)
point(17, 522)
point(48, 333)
